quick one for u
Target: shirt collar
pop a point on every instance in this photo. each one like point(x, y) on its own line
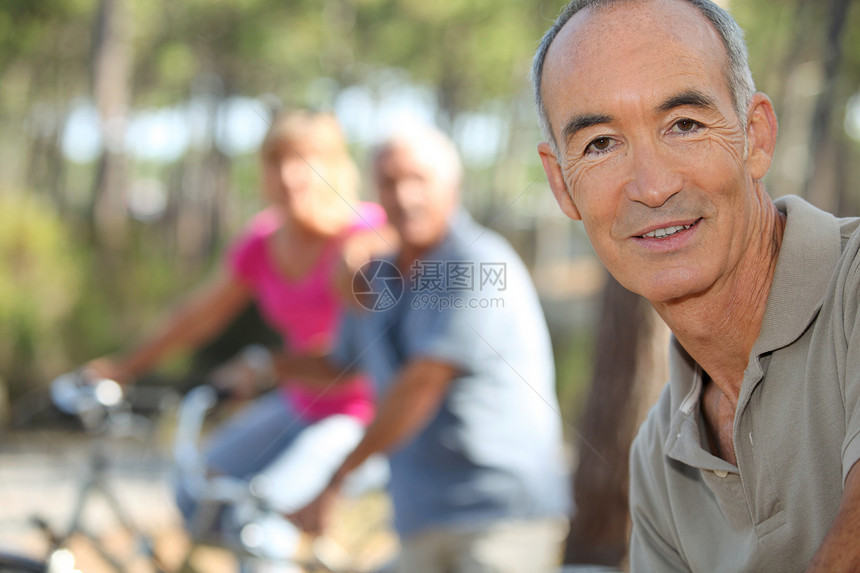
point(461, 229)
point(811, 247)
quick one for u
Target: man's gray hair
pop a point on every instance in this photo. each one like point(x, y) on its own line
point(433, 144)
point(738, 75)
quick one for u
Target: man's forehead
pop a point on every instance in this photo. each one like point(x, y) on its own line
point(605, 19)
point(417, 154)
point(400, 153)
point(605, 38)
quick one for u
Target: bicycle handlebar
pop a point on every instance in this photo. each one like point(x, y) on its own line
point(92, 399)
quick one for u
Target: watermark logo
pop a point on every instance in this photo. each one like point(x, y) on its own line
point(458, 276)
point(377, 285)
point(455, 302)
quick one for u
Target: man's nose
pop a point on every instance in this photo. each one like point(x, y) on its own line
point(653, 176)
point(405, 192)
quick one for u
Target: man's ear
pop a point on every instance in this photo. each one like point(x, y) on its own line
point(556, 181)
point(761, 136)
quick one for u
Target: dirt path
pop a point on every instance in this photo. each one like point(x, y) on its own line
point(41, 472)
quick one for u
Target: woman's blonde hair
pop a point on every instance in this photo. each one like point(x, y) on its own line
point(318, 135)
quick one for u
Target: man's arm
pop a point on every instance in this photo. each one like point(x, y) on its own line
point(840, 550)
point(405, 410)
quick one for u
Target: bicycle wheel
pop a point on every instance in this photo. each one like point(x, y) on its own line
point(17, 564)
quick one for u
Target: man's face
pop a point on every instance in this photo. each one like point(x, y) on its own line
point(651, 151)
point(416, 196)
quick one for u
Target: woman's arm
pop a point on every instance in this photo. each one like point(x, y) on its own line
point(200, 317)
point(358, 249)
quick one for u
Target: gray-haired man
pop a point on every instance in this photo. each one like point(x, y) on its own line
point(463, 364)
point(658, 142)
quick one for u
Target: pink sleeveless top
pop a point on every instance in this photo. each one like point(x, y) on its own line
point(304, 311)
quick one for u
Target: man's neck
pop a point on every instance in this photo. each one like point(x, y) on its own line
point(409, 253)
point(719, 328)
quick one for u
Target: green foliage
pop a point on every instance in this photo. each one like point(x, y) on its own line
point(121, 298)
point(473, 54)
point(40, 281)
point(472, 51)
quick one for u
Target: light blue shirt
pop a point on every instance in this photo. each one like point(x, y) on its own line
point(494, 449)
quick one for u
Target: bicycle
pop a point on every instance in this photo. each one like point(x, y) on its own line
point(103, 410)
point(249, 514)
point(105, 413)
point(10, 563)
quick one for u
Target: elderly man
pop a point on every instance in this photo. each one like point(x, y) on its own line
point(463, 363)
point(658, 142)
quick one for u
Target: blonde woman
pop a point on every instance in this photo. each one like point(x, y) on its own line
point(287, 260)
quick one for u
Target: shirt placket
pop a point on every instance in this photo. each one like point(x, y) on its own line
point(765, 509)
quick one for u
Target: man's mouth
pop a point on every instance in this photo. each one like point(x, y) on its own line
point(667, 231)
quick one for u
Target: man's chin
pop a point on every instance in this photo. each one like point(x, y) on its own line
point(418, 238)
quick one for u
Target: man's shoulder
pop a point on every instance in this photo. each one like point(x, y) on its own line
point(849, 229)
point(468, 237)
point(650, 466)
point(483, 247)
point(812, 218)
point(845, 283)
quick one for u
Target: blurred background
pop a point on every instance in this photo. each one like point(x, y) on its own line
point(128, 160)
point(131, 129)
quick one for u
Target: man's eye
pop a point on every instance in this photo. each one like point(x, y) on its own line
point(599, 145)
point(686, 125)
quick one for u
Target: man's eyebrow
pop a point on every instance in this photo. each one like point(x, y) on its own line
point(579, 122)
point(692, 98)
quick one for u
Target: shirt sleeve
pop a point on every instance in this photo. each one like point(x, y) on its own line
point(369, 216)
point(851, 446)
point(651, 546)
point(443, 334)
point(343, 353)
point(241, 259)
point(247, 255)
point(851, 389)
point(648, 553)
point(470, 325)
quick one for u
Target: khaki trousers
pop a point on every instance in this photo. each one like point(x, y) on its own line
point(513, 546)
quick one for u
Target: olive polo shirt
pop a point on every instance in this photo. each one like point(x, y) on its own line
point(795, 431)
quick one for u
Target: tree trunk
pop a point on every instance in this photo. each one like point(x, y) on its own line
point(111, 69)
point(205, 185)
point(629, 371)
point(820, 190)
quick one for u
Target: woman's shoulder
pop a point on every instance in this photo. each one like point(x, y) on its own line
point(250, 246)
point(264, 223)
point(259, 227)
point(367, 216)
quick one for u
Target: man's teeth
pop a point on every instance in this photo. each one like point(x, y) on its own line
point(660, 233)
